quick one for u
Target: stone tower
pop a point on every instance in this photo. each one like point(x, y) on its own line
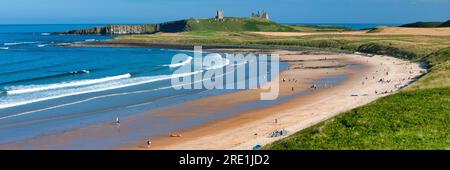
point(219, 16)
point(265, 15)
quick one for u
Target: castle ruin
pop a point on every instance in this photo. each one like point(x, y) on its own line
point(264, 15)
point(219, 16)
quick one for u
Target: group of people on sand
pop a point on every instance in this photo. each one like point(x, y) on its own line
point(278, 133)
point(384, 92)
point(291, 80)
point(383, 80)
point(314, 86)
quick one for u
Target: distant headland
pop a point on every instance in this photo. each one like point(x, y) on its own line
point(219, 23)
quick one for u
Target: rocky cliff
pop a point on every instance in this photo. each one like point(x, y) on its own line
point(175, 26)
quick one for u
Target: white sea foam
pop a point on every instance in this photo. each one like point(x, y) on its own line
point(82, 71)
point(18, 43)
point(37, 96)
point(187, 61)
point(186, 51)
point(45, 33)
point(90, 40)
point(34, 88)
point(108, 95)
point(4, 48)
point(42, 45)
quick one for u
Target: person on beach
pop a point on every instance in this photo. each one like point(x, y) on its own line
point(117, 120)
point(149, 143)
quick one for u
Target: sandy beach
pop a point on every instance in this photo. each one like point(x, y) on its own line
point(304, 106)
point(255, 127)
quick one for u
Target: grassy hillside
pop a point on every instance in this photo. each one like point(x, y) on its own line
point(427, 24)
point(400, 121)
point(255, 25)
point(237, 24)
point(404, 46)
point(314, 28)
point(445, 24)
point(439, 75)
point(423, 24)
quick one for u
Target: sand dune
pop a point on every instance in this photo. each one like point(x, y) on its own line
point(382, 31)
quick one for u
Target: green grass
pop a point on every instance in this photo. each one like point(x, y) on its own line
point(400, 121)
point(439, 75)
point(445, 24)
point(423, 24)
point(398, 45)
point(427, 24)
point(376, 30)
point(256, 25)
point(237, 24)
point(314, 28)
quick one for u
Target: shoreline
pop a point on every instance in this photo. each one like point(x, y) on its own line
point(254, 114)
point(244, 131)
point(243, 126)
point(180, 46)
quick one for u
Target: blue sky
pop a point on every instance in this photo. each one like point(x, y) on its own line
point(285, 11)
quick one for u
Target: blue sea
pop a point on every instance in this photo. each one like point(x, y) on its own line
point(46, 89)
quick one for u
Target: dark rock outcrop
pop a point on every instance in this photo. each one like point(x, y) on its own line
point(445, 24)
point(116, 30)
point(174, 26)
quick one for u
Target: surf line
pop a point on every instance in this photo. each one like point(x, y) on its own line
point(93, 98)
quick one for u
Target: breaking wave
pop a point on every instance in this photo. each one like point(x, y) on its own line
point(34, 88)
point(19, 43)
point(37, 93)
point(72, 73)
point(187, 61)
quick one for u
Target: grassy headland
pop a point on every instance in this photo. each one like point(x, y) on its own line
point(236, 25)
point(423, 24)
point(418, 117)
point(427, 24)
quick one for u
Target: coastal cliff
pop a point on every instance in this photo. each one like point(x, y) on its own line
point(211, 24)
point(174, 26)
